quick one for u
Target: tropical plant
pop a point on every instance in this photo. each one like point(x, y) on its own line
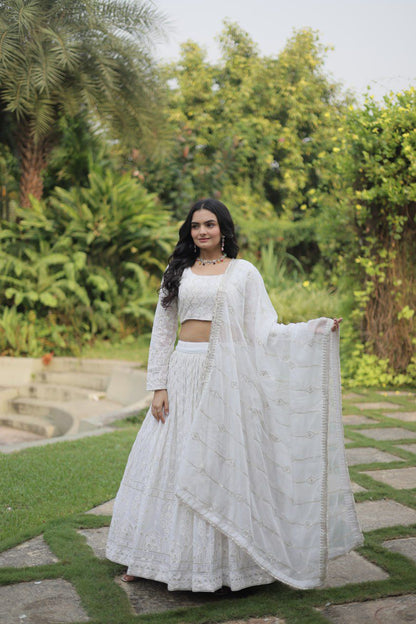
point(58, 56)
point(114, 220)
point(24, 334)
point(79, 145)
point(88, 259)
point(295, 297)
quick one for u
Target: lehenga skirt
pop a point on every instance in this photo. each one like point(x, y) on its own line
point(152, 532)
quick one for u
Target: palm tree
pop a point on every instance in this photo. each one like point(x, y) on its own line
point(59, 57)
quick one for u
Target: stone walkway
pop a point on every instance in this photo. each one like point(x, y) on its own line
point(384, 420)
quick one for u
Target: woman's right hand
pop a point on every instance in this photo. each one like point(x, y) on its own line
point(160, 405)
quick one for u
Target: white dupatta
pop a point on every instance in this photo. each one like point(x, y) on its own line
point(264, 461)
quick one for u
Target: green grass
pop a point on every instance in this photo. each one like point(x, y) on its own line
point(134, 349)
point(47, 483)
point(50, 488)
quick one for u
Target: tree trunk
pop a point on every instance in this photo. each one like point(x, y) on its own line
point(388, 331)
point(33, 159)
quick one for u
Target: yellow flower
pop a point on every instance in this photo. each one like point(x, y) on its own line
point(336, 149)
point(303, 207)
point(306, 283)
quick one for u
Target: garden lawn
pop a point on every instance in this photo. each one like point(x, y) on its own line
point(132, 348)
point(48, 490)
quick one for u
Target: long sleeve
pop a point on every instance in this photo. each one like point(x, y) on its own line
point(164, 331)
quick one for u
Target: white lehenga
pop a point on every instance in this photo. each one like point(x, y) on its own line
point(152, 532)
point(246, 482)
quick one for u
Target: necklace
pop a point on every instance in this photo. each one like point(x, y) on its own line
point(203, 262)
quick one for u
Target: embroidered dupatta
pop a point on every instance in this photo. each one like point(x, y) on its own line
point(264, 461)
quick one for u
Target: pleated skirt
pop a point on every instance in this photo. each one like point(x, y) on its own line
point(152, 532)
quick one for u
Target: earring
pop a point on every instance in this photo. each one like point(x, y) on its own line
point(222, 243)
point(194, 248)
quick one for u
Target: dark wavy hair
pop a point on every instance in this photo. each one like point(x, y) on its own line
point(184, 254)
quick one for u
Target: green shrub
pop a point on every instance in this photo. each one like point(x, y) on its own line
point(88, 258)
point(23, 334)
point(294, 295)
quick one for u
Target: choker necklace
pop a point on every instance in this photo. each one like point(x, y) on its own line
point(204, 262)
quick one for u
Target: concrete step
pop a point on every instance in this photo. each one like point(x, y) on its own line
point(33, 424)
point(58, 415)
point(81, 408)
point(15, 371)
point(54, 392)
point(32, 407)
point(92, 414)
point(95, 366)
point(92, 381)
point(66, 417)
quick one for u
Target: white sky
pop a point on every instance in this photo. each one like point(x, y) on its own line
point(374, 40)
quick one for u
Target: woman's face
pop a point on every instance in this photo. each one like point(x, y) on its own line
point(205, 230)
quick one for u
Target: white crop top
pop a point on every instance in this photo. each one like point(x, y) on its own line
point(196, 298)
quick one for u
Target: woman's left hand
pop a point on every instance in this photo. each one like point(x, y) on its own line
point(337, 322)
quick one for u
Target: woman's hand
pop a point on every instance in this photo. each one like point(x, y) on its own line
point(160, 405)
point(336, 324)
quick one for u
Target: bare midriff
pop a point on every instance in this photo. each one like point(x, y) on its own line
point(195, 331)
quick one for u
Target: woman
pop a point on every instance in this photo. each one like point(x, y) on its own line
point(237, 476)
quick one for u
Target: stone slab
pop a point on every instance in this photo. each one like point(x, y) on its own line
point(10, 435)
point(388, 433)
point(357, 488)
point(384, 513)
point(355, 419)
point(394, 610)
point(106, 509)
point(398, 393)
point(148, 596)
point(405, 546)
point(408, 447)
point(399, 478)
point(34, 552)
point(96, 539)
point(380, 405)
point(352, 568)
point(404, 416)
point(350, 396)
point(368, 455)
point(41, 602)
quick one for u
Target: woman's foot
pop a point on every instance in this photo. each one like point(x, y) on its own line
point(128, 578)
